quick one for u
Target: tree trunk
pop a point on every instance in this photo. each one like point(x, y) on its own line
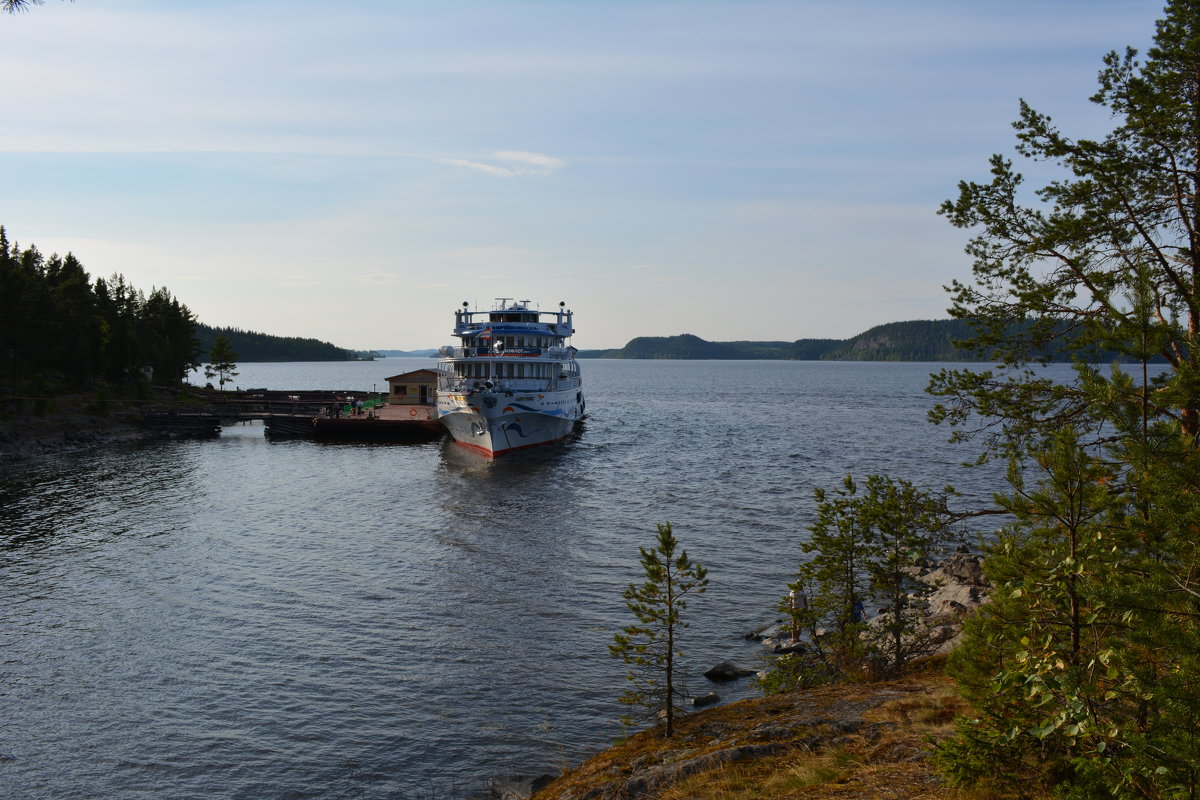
point(670, 652)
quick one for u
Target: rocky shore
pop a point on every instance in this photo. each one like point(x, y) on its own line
point(958, 588)
point(787, 744)
point(850, 740)
point(68, 428)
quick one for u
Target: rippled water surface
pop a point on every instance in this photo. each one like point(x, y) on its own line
point(242, 618)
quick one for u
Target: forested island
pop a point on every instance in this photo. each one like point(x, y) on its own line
point(915, 340)
point(255, 346)
point(60, 328)
point(920, 340)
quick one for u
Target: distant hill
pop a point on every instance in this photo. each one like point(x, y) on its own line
point(255, 346)
point(407, 353)
point(918, 340)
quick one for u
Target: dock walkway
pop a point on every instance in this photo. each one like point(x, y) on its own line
point(315, 414)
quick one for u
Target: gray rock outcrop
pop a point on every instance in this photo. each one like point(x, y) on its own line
point(727, 671)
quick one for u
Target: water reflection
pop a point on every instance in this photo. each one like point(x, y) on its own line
point(83, 499)
point(246, 617)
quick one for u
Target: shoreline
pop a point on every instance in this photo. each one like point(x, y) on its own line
point(25, 436)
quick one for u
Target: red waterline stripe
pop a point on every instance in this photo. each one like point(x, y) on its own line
point(492, 454)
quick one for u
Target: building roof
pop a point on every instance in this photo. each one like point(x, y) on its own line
point(415, 376)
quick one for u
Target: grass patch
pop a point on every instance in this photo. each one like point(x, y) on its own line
point(850, 740)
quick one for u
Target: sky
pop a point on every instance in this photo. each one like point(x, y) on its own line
point(355, 171)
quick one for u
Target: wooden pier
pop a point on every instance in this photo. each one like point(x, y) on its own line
point(327, 415)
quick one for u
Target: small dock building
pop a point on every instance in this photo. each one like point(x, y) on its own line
point(416, 388)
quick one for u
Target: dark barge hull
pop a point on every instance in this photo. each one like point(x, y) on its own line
point(369, 429)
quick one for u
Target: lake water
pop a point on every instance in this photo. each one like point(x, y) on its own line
point(242, 618)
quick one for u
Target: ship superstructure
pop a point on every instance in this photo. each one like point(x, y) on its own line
point(512, 381)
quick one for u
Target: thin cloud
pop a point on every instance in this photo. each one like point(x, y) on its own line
point(479, 166)
point(533, 162)
point(519, 163)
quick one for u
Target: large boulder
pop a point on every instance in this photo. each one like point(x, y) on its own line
point(757, 634)
point(960, 588)
point(954, 601)
point(727, 671)
point(960, 568)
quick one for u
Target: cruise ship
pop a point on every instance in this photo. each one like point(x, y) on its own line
point(512, 381)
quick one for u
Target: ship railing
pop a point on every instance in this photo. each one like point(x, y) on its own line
point(484, 351)
point(450, 383)
point(567, 384)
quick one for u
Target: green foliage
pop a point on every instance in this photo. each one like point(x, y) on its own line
point(1082, 670)
point(865, 548)
point(1104, 258)
point(1038, 663)
point(255, 346)
point(15, 6)
point(222, 361)
point(791, 671)
point(57, 325)
point(650, 646)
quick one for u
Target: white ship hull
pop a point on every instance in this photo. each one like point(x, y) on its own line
point(508, 427)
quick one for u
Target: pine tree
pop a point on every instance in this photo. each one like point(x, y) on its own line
point(1082, 671)
point(1108, 256)
point(1040, 663)
point(863, 548)
point(222, 361)
point(650, 646)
